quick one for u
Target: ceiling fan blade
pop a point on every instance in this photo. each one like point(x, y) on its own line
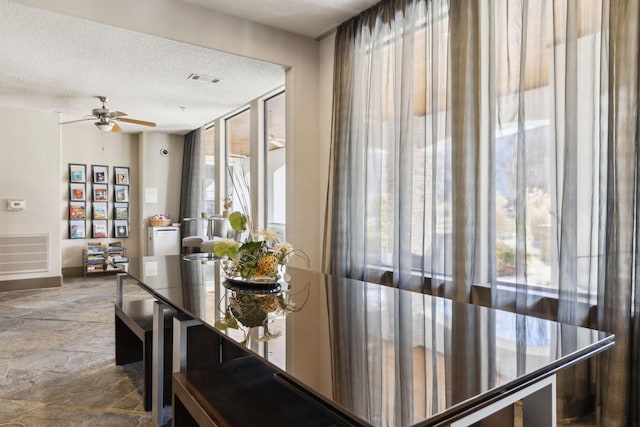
point(137, 122)
point(117, 114)
point(116, 128)
point(76, 121)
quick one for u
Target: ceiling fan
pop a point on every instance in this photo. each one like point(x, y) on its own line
point(106, 120)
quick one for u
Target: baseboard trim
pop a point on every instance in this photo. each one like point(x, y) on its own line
point(25, 284)
point(72, 272)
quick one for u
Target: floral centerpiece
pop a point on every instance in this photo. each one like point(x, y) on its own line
point(259, 258)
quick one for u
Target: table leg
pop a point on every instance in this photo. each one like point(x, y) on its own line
point(120, 288)
point(157, 380)
point(539, 405)
point(539, 408)
point(209, 228)
point(180, 342)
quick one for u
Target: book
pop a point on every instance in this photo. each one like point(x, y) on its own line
point(99, 229)
point(94, 248)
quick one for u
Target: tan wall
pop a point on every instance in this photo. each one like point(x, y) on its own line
point(30, 170)
point(191, 24)
point(36, 152)
point(325, 105)
point(159, 174)
point(83, 143)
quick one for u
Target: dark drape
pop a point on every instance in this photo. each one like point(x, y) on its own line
point(193, 181)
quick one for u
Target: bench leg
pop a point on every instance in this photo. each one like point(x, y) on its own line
point(180, 342)
point(128, 346)
point(157, 392)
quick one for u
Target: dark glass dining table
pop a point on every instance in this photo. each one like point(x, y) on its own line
point(379, 355)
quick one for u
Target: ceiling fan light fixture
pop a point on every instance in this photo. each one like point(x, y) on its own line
point(106, 120)
point(104, 126)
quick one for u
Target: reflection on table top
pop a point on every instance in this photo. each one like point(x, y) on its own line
point(204, 218)
point(210, 220)
point(383, 355)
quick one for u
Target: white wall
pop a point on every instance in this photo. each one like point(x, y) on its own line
point(188, 23)
point(83, 143)
point(30, 170)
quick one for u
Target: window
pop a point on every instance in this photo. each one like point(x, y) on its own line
point(276, 170)
point(532, 135)
point(239, 161)
point(210, 162)
point(405, 171)
point(252, 161)
point(427, 165)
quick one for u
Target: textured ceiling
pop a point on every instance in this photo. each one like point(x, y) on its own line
point(58, 63)
point(311, 18)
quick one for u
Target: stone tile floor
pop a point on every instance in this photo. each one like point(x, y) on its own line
point(57, 363)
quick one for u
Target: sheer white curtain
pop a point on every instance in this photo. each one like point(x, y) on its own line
point(391, 197)
point(497, 142)
point(550, 143)
point(565, 96)
point(390, 208)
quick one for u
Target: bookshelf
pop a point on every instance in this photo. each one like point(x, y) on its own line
point(99, 258)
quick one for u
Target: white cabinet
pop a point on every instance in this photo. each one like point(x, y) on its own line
point(163, 240)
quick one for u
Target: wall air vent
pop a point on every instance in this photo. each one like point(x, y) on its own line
point(24, 253)
point(203, 78)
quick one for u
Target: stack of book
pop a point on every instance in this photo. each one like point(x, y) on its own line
point(116, 256)
point(95, 257)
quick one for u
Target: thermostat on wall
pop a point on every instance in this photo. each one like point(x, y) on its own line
point(16, 205)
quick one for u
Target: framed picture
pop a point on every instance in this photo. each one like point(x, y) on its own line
point(120, 210)
point(121, 175)
point(100, 174)
point(77, 210)
point(99, 210)
point(120, 228)
point(100, 193)
point(76, 192)
point(100, 228)
point(121, 193)
point(77, 172)
point(77, 229)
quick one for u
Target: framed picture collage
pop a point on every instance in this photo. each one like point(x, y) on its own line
point(90, 199)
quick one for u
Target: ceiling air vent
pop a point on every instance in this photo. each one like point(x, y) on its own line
point(203, 78)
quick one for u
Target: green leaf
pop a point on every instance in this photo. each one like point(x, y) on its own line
point(238, 221)
point(227, 322)
point(225, 248)
point(233, 323)
point(221, 249)
point(232, 251)
point(252, 248)
point(220, 325)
